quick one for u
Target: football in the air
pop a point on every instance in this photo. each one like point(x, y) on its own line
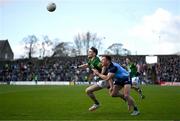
point(51, 7)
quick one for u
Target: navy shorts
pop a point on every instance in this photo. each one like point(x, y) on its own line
point(122, 81)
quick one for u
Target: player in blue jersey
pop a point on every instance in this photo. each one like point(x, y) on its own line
point(120, 79)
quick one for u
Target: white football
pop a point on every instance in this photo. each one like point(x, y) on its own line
point(51, 7)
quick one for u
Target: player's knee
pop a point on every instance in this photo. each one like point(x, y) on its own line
point(126, 97)
point(113, 94)
point(88, 91)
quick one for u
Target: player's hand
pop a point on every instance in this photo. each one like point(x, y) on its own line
point(74, 67)
point(95, 71)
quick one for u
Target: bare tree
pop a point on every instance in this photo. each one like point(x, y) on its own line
point(30, 45)
point(96, 41)
point(63, 49)
point(45, 44)
point(126, 51)
point(116, 48)
point(84, 41)
point(107, 52)
point(78, 43)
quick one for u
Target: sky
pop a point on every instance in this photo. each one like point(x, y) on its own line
point(142, 26)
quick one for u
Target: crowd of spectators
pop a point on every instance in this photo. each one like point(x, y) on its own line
point(49, 69)
point(59, 69)
point(168, 68)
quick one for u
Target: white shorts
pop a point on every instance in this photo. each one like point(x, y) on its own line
point(102, 83)
point(135, 80)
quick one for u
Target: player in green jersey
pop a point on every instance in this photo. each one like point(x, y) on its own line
point(132, 69)
point(94, 63)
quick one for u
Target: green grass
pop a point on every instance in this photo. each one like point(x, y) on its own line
point(71, 103)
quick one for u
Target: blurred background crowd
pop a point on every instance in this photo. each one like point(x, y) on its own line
point(59, 69)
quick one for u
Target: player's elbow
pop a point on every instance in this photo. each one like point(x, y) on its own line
point(107, 78)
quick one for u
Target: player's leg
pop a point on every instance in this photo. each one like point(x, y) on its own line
point(130, 100)
point(138, 90)
point(90, 90)
point(136, 86)
point(100, 85)
point(116, 92)
point(90, 77)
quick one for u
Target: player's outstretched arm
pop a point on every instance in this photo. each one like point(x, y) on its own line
point(83, 66)
point(80, 66)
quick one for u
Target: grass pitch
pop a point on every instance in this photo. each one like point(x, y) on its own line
point(71, 103)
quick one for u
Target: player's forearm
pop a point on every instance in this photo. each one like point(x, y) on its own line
point(104, 77)
point(110, 83)
point(103, 70)
point(83, 66)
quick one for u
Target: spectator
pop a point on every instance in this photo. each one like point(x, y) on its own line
point(58, 69)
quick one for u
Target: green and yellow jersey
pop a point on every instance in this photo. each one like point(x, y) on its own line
point(95, 63)
point(132, 69)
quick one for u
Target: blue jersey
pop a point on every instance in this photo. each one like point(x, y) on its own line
point(118, 70)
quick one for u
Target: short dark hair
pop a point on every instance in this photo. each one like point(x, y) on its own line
point(94, 50)
point(107, 57)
